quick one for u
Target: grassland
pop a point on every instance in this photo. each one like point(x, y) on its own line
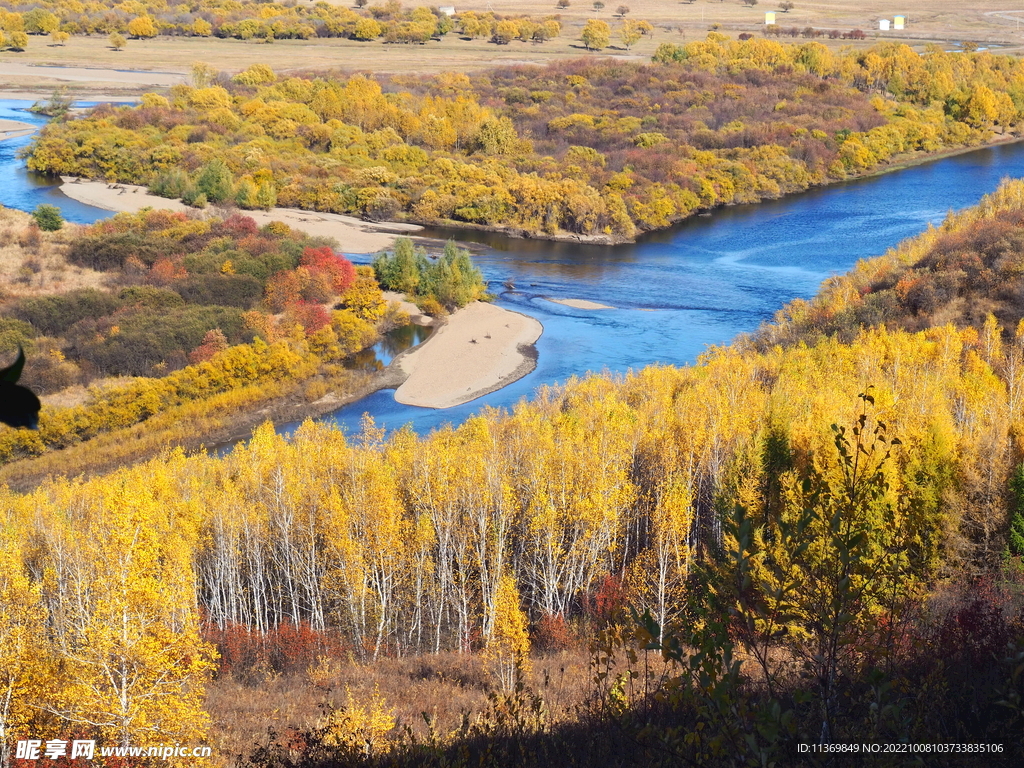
point(33, 262)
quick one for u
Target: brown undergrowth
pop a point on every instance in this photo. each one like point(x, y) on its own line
point(432, 693)
point(33, 262)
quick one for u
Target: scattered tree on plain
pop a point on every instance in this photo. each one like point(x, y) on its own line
point(596, 35)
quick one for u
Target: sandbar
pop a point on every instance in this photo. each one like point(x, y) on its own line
point(481, 348)
point(353, 235)
point(12, 129)
point(581, 303)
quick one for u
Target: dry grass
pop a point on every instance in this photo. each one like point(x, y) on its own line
point(78, 394)
point(32, 262)
point(942, 21)
point(446, 687)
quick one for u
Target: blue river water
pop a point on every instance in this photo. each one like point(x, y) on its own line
point(24, 190)
point(703, 282)
point(674, 292)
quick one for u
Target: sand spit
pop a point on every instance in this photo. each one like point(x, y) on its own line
point(481, 348)
point(12, 129)
point(353, 235)
point(580, 303)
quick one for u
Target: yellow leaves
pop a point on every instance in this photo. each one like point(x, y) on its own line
point(571, 121)
point(120, 595)
point(142, 26)
point(365, 299)
point(449, 122)
point(359, 728)
point(23, 652)
point(209, 98)
point(596, 34)
point(508, 648)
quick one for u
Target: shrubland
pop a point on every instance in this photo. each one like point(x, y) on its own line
point(809, 542)
point(592, 148)
point(966, 271)
point(170, 281)
point(213, 316)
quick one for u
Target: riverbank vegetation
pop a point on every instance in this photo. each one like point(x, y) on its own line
point(967, 271)
point(786, 543)
point(193, 319)
point(443, 285)
point(588, 149)
point(178, 288)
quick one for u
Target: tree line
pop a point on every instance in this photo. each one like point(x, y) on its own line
point(252, 20)
point(398, 545)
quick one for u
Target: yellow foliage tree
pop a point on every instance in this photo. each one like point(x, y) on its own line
point(365, 298)
point(359, 730)
point(142, 27)
point(23, 652)
point(508, 649)
point(596, 35)
point(136, 665)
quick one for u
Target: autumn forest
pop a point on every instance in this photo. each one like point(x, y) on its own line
point(588, 149)
point(811, 536)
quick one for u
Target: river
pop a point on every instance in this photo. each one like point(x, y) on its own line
point(674, 292)
point(24, 190)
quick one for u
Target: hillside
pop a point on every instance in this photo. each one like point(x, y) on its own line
point(823, 539)
point(960, 273)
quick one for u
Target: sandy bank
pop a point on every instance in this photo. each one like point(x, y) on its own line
point(414, 313)
point(353, 235)
point(580, 303)
point(12, 129)
point(482, 348)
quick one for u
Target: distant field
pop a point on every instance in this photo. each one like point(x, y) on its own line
point(943, 21)
point(927, 19)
